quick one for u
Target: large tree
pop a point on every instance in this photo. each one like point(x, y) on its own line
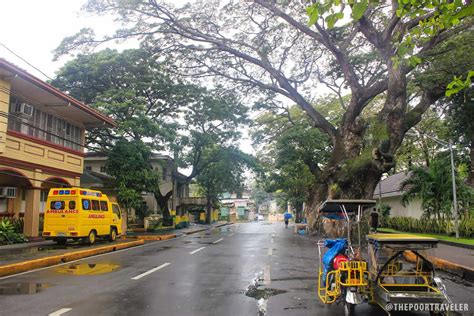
point(152, 109)
point(270, 46)
point(291, 153)
point(226, 174)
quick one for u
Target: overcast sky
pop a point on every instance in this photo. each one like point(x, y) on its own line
point(33, 29)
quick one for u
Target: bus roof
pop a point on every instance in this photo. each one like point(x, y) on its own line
point(76, 191)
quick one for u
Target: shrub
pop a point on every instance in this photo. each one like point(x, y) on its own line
point(8, 234)
point(18, 224)
point(430, 225)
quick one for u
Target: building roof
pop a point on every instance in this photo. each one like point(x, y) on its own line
point(99, 156)
point(391, 186)
point(33, 88)
point(95, 179)
point(102, 156)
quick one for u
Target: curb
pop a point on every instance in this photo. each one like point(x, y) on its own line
point(206, 228)
point(24, 266)
point(154, 237)
point(456, 244)
point(463, 271)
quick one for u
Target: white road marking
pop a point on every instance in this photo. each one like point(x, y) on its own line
point(231, 234)
point(218, 240)
point(151, 271)
point(60, 312)
point(271, 241)
point(270, 251)
point(87, 258)
point(197, 250)
point(266, 274)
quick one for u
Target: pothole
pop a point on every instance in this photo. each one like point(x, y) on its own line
point(257, 291)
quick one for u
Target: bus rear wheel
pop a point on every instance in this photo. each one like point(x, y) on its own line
point(113, 234)
point(92, 237)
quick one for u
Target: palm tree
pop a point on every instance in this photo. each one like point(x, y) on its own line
point(434, 187)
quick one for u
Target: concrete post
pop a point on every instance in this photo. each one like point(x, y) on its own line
point(31, 228)
point(17, 203)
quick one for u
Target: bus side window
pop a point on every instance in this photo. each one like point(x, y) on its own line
point(72, 205)
point(57, 205)
point(86, 204)
point(103, 206)
point(95, 205)
point(116, 210)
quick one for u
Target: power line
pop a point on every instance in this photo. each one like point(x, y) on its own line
point(24, 60)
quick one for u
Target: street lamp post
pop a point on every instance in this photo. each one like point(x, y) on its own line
point(455, 202)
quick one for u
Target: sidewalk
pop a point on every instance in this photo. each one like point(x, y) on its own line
point(458, 255)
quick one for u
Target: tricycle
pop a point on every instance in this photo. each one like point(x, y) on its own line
point(394, 271)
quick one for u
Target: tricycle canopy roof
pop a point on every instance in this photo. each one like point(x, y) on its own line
point(401, 239)
point(351, 206)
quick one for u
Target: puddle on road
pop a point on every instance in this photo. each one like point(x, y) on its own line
point(87, 268)
point(261, 294)
point(23, 288)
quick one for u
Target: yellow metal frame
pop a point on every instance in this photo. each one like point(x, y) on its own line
point(356, 273)
point(393, 270)
point(327, 295)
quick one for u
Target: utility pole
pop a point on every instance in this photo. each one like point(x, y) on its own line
point(174, 175)
point(455, 202)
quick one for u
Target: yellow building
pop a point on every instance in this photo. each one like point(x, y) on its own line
point(41, 143)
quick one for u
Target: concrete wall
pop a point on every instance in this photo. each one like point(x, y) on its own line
point(397, 209)
point(4, 108)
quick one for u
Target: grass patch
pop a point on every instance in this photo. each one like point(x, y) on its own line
point(463, 241)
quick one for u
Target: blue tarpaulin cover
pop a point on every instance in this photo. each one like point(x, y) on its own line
point(336, 246)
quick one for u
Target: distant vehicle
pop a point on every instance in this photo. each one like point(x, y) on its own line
point(259, 217)
point(79, 213)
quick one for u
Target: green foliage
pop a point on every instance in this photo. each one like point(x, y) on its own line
point(18, 224)
point(329, 9)
point(384, 211)
point(458, 84)
point(225, 171)
point(132, 88)
point(296, 151)
point(419, 150)
point(129, 165)
point(153, 111)
point(434, 187)
point(8, 235)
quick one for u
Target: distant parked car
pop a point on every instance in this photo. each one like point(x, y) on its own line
point(259, 217)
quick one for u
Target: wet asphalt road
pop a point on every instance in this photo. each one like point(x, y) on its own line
point(200, 274)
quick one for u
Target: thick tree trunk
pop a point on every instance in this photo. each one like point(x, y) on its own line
point(208, 209)
point(162, 201)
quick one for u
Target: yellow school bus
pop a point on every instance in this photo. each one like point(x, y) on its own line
point(78, 213)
